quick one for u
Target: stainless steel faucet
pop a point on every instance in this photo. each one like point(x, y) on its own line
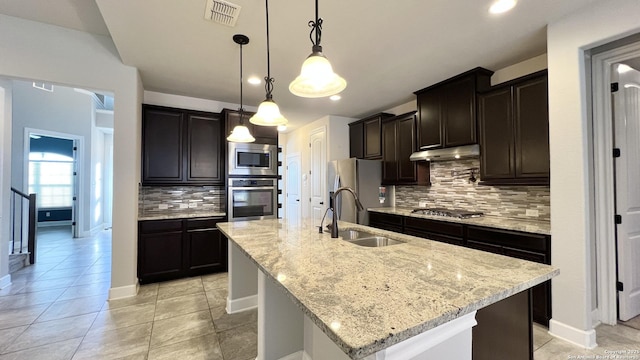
point(334, 225)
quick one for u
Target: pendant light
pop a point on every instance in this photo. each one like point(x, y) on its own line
point(268, 112)
point(317, 78)
point(240, 132)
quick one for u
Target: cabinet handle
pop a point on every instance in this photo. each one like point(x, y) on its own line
point(321, 202)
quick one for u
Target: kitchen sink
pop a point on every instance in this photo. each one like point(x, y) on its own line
point(375, 241)
point(353, 234)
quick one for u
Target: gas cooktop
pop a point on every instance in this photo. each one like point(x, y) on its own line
point(460, 214)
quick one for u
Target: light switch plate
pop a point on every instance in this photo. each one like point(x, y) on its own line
point(184, 206)
point(193, 205)
point(163, 206)
point(532, 212)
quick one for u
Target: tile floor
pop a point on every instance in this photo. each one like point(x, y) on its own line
point(57, 309)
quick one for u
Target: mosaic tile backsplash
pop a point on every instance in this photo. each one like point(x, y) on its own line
point(456, 191)
point(177, 199)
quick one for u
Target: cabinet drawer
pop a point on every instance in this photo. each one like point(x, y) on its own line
point(156, 226)
point(208, 223)
point(513, 239)
point(375, 217)
point(496, 249)
point(434, 226)
point(527, 255)
point(437, 237)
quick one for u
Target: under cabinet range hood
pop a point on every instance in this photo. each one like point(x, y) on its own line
point(454, 153)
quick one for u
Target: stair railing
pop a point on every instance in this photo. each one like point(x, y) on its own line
point(19, 203)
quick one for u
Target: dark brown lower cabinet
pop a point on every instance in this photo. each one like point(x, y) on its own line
point(504, 330)
point(386, 221)
point(172, 249)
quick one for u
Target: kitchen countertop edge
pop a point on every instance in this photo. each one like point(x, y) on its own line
point(181, 215)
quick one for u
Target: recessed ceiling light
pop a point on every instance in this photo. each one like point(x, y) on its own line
point(282, 127)
point(254, 80)
point(622, 68)
point(335, 97)
point(501, 6)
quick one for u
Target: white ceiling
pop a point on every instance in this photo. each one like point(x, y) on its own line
point(386, 50)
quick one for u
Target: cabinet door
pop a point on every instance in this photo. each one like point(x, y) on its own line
point(207, 251)
point(429, 120)
point(531, 115)
point(389, 156)
point(496, 135)
point(356, 140)
point(206, 151)
point(460, 109)
point(163, 134)
point(160, 256)
point(405, 147)
point(372, 143)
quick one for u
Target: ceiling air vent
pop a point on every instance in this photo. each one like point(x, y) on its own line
point(222, 12)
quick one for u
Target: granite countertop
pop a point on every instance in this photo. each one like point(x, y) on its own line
point(367, 299)
point(531, 226)
point(181, 215)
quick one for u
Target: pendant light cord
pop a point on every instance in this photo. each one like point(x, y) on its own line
point(268, 80)
point(241, 81)
point(316, 29)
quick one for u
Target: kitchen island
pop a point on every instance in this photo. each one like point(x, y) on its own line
point(372, 303)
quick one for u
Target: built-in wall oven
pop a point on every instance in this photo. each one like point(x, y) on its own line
point(253, 159)
point(252, 199)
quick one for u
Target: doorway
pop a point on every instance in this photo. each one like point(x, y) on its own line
point(616, 201)
point(293, 210)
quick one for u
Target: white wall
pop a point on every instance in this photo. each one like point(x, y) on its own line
point(5, 179)
point(569, 103)
point(191, 103)
point(65, 111)
point(32, 50)
point(520, 69)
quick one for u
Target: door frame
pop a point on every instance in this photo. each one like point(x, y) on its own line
point(77, 210)
point(299, 189)
point(603, 207)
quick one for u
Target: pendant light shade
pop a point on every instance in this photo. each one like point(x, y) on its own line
point(240, 132)
point(317, 78)
point(268, 112)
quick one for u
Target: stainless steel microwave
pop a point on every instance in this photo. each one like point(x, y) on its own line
point(247, 159)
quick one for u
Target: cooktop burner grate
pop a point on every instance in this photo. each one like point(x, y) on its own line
point(460, 214)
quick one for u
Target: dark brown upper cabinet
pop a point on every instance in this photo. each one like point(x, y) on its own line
point(398, 143)
point(514, 132)
point(365, 141)
point(263, 134)
point(447, 110)
point(181, 147)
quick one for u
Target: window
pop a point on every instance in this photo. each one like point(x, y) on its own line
point(51, 178)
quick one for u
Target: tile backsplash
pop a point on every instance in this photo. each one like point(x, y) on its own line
point(152, 200)
point(458, 192)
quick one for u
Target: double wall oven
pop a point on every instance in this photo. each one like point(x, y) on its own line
point(253, 182)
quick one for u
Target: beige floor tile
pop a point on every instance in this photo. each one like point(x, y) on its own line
point(215, 281)
point(15, 288)
point(67, 308)
point(40, 285)
point(217, 313)
point(52, 331)
point(200, 348)
point(230, 321)
point(115, 344)
point(62, 273)
point(240, 342)
point(93, 278)
point(180, 305)
point(541, 336)
point(634, 323)
point(217, 297)
point(180, 287)
point(146, 294)
point(125, 316)
point(62, 350)
point(23, 316)
point(7, 336)
point(86, 290)
point(29, 299)
point(181, 328)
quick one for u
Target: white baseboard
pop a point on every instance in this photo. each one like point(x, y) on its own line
point(242, 304)
point(582, 338)
point(54, 223)
point(5, 281)
point(595, 318)
point(123, 291)
point(300, 355)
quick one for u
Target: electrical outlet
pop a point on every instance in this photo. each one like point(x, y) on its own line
point(422, 204)
point(532, 212)
point(163, 206)
point(193, 205)
point(184, 206)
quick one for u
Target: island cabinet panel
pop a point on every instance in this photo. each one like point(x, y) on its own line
point(356, 140)
point(181, 147)
point(514, 132)
point(435, 230)
point(171, 249)
point(386, 221)
point(447, 110)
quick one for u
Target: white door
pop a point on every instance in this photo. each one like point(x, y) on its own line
point(317, 174)
point(627, 139)
point(293, 189)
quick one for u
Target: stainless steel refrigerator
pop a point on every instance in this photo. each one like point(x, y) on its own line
point(363, 176)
